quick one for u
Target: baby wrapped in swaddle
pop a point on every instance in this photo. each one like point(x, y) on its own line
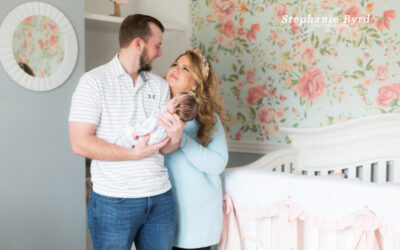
point(183, 104)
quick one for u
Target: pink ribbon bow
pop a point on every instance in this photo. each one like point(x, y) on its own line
point(366, 223)
point(230, 238)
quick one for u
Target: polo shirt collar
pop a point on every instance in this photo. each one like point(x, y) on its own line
point(120, 71)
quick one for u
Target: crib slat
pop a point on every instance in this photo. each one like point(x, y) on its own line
point(249, 234)
point(396, 246)
point(287, 167)
point(324, 172)
point(351, 174)
point(264, 233)
point(388, 244)
point(344, 239)
point(243, 227)
point(381, 172)
point(311, 237)
point(327, 240)
point(367, 172)
point(275, 224)
point(396, 171)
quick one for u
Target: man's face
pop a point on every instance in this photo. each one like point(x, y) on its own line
point(152, 48)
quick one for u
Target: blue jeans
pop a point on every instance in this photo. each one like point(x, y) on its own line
point(115, 223)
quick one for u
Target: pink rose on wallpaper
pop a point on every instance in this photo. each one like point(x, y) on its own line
point(280, 113)
point(336, 78)
point(220, 38)
point(209, 18)
point(325, 4)
point(382, 73)
point(387, 94)
point(265, 115)
point(282, 41)
point(251, 35)
point(239, 85)
point(229, 43)
point(312, 84)
point(238, 135)
point(295, 27)
point(274, 36)
point(354, 34)
point(282, 98)
point(384, 22)
point(254, 94)
point(241, 31)
point(271, 92)
point(308, 55)
point(333, 3)
point(298, 44)
point(250, 76)
point(280, 11)
point(228, 28)
point(353, 12)
point(223, 9)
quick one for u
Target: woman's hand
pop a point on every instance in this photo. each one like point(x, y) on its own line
point(174, 127)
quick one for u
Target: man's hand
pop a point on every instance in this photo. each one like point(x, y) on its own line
point(85, 143)
point(143, 150)
point(174, 127)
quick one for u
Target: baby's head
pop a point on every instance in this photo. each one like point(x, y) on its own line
point(185, 106)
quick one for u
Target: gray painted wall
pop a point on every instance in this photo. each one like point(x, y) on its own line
point(237, 159)
point(42, 187)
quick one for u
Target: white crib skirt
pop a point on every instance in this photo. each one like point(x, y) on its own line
point(267, 210)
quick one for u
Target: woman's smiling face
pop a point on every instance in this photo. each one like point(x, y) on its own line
point(179, 76)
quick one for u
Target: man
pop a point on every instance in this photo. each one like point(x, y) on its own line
point(132, 199)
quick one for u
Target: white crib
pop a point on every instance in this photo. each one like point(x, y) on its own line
point(303, 207)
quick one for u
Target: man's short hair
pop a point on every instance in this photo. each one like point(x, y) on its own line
point(134, 26)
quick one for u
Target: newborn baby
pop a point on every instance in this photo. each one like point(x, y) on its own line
point(183, 104)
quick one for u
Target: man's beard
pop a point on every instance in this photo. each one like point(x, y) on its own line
point(145, 63)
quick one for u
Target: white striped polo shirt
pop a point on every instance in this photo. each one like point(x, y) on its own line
point(106, 96)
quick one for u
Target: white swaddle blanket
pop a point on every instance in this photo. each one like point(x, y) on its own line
point(149, 126)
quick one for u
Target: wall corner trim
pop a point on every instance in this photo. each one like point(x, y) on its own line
point(253, 147)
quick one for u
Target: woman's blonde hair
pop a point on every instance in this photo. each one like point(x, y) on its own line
point(206, 93)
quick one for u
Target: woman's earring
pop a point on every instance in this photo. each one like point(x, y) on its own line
point(192, 93)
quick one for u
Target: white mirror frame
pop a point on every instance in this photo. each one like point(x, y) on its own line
point(8, 27)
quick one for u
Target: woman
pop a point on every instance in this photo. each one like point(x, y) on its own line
point(195, 167)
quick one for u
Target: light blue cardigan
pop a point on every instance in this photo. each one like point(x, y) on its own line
point(194, 173)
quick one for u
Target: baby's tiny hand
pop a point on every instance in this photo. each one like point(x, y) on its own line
point(135, 136)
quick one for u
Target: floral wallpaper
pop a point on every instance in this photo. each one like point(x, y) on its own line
point(38, 46)
point(299, 63)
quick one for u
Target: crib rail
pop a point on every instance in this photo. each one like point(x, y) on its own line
point(378, 171)
point(283, 160)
